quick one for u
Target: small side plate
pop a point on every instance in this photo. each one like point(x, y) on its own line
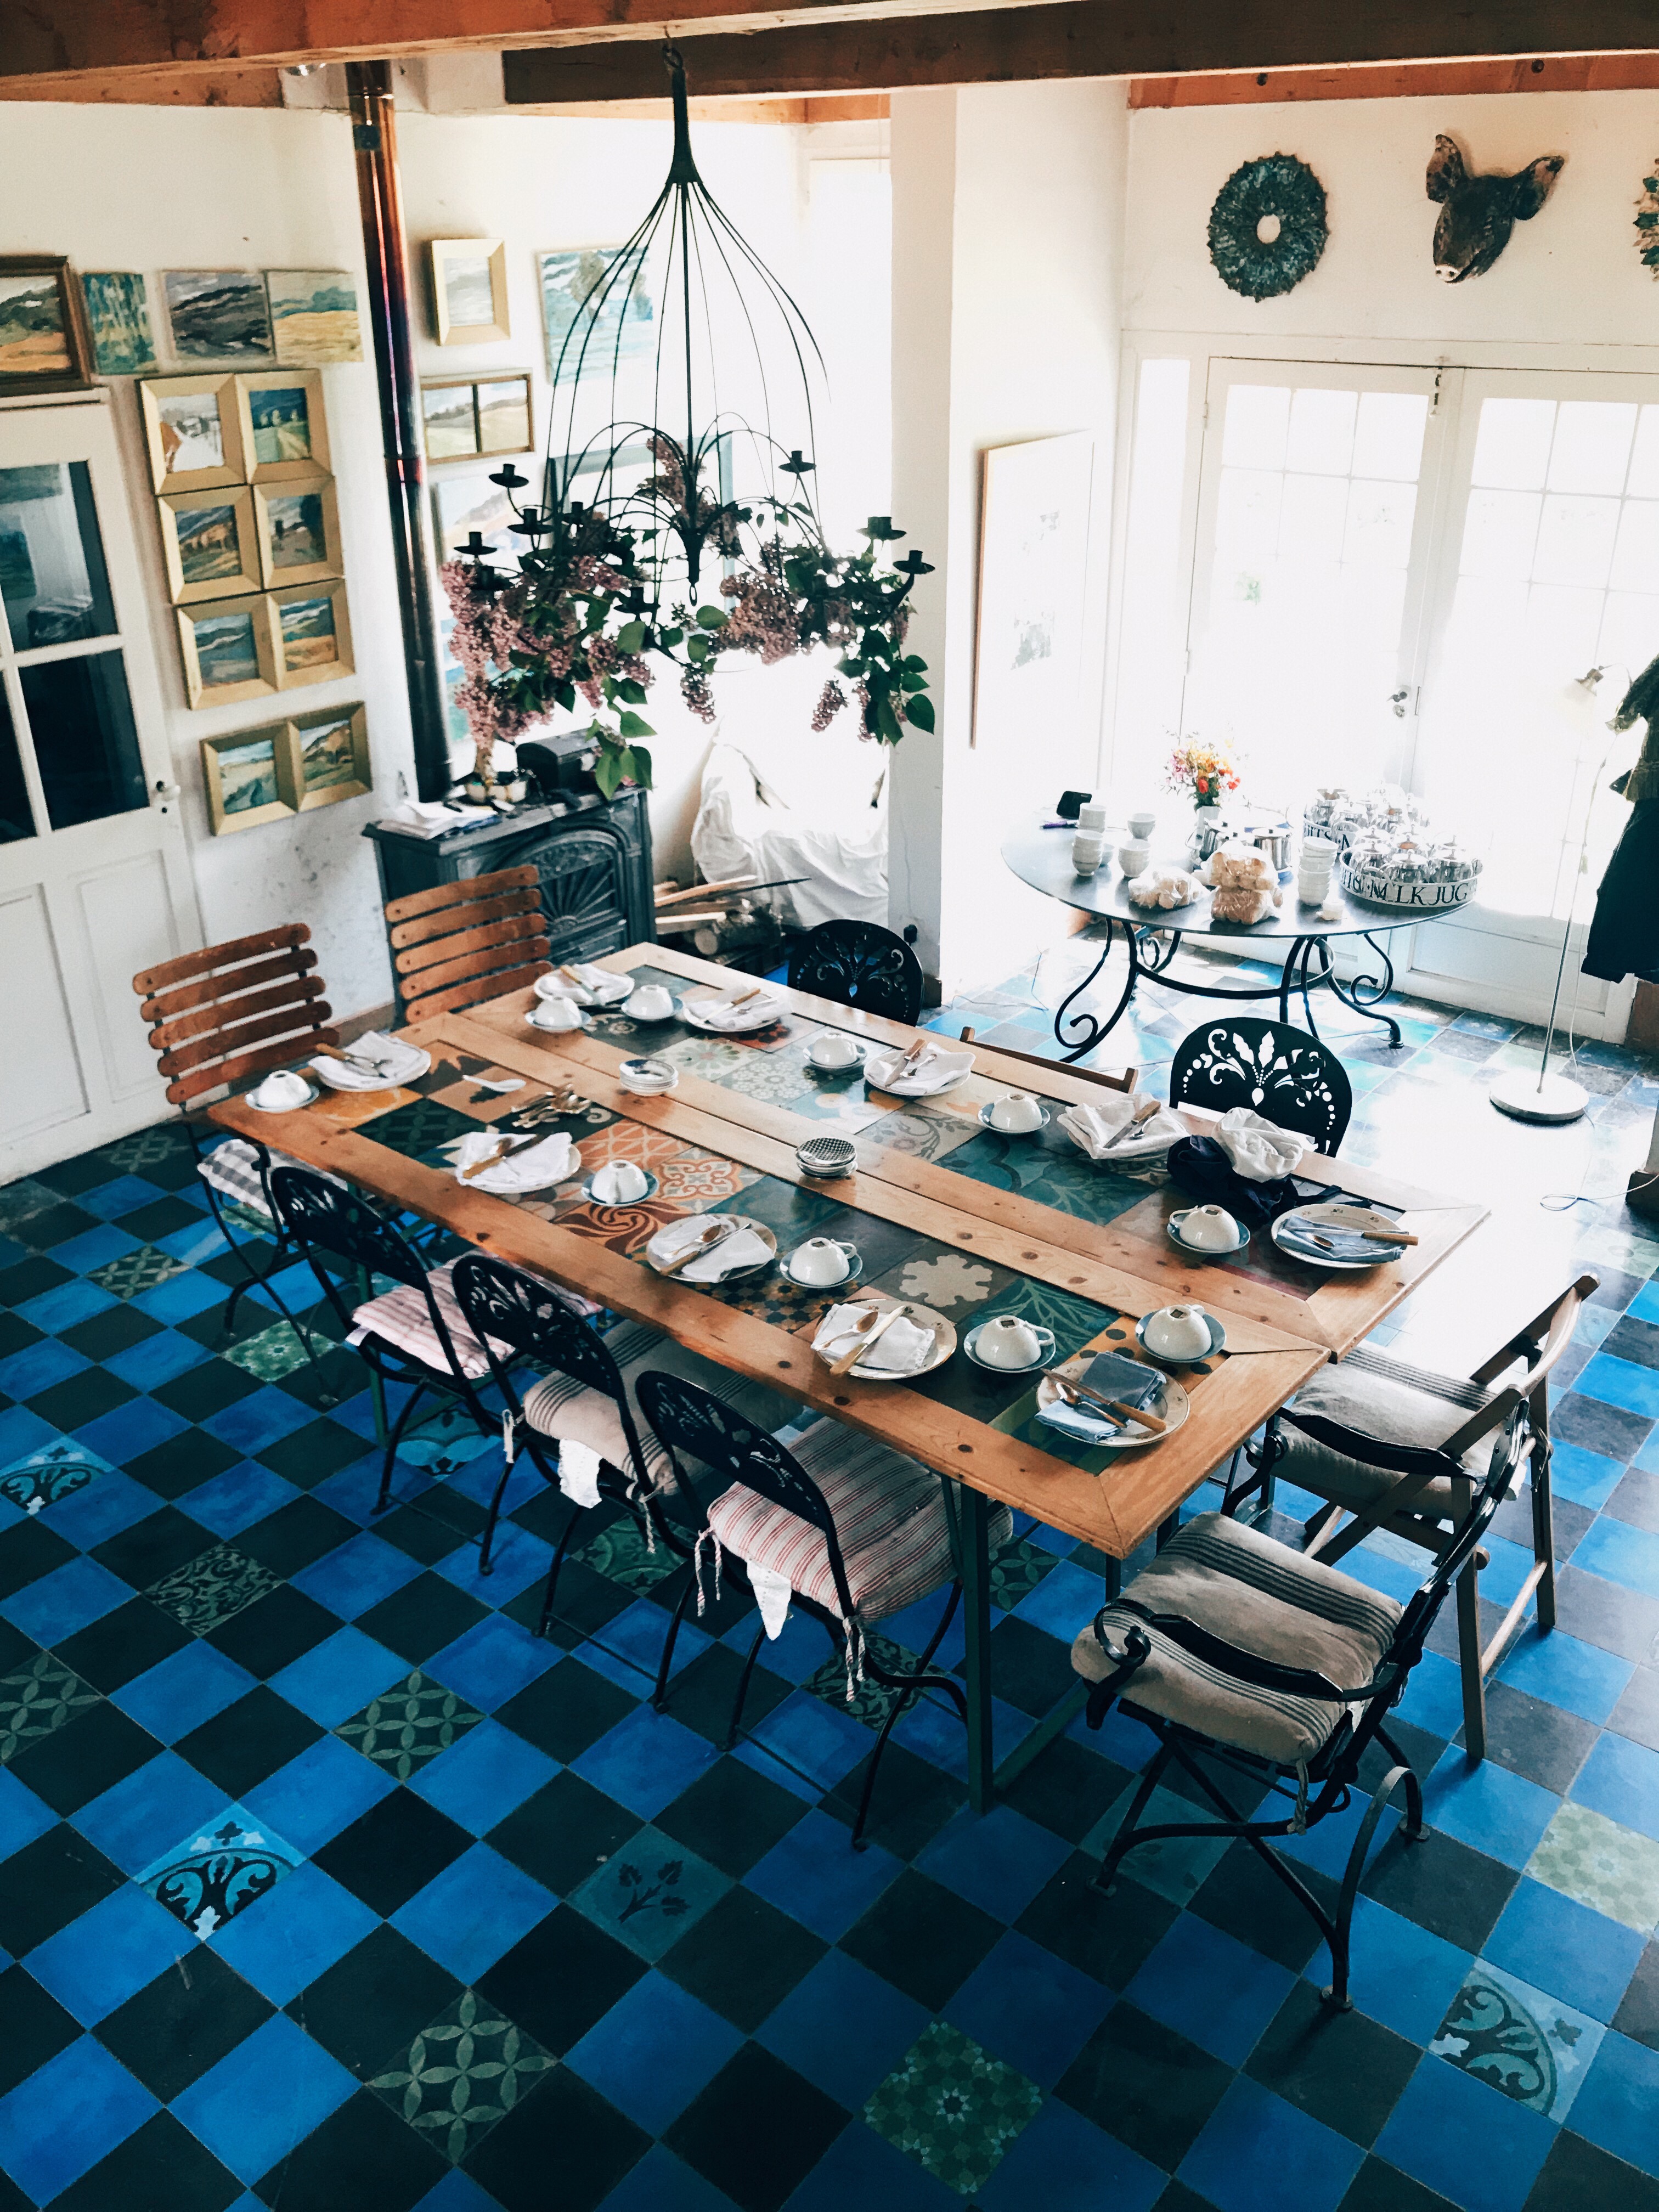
point(854, 1270)
point(542, 1028)
point(971, 1344)
point(945, 1340)
point(614, 1205)
point(691, 1013)
point(1197, 1251)
point(1171, 1405)
point(738, 1275)
point(1218, 1342)
point(986, 1122)
point(1312, 1257)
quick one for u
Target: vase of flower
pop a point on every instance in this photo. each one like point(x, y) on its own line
point(1204, 774)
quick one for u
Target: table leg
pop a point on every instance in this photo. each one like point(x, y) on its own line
point(1365, 994)
point(975, 1509)
point(1058, 1719)
point(1092, 1031)
point(376, 1385)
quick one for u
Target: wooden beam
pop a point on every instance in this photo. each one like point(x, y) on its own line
point(1104, 38)
point(222, 87)
point(850, 107)
point(1403, 81)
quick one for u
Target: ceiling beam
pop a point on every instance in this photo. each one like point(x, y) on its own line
point(218, 88)
point(1105, 38)
point(1403, 81)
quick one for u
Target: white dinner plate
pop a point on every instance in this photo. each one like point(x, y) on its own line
point(1171, 1405)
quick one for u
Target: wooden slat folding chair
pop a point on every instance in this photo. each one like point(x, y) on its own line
point(460, 943)
point(219, 1016)
point(1125, 1081)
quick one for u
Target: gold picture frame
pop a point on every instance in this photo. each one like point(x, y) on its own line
point(45, 344)
point(469, 291)
point(247, 778)
point(228, 650)
point(193, 431)
point(283, 424)
point(297, 518)
point(210, 543)
point(310, 633)
point(449, 419)
point(330, 756)
point(506, 424)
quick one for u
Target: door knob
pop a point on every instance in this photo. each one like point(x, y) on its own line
point(1397, 700)
point(166, 792)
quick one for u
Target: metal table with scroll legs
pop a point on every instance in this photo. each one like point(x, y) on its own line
point(1153, 937)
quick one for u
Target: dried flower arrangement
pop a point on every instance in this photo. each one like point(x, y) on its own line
point(1200, 772)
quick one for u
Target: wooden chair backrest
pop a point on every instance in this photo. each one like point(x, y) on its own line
point(235, 1010)
point(1540, 1344)
point(1125, 1081)
point(459, 944)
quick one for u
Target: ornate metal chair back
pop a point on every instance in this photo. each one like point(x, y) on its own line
point(859, 964)
point(1284, 1072)
point(326, 1217)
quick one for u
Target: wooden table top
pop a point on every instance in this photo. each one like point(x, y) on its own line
point(944, 1211)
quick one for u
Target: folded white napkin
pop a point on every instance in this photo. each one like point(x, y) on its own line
point(395, 1062)
point(743, 1250)
point(936, 1070)
point(1092, 1128)
point(590, 982)
point(901, 1349)
point(579, 1472)
point(532, 1168)
point(1259, 1149)
point(723, 1014)
point(772, 1594)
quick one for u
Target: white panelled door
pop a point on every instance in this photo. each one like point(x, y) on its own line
point(94, 877)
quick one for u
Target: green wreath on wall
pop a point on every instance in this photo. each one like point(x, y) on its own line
point(1267, 228)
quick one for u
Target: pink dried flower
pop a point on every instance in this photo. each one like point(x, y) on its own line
point(831, 699)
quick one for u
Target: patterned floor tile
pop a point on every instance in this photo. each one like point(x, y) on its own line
point(408, 1725)
point(651, 1892)
point(218, 1870)
point(130, 1274)
point(274, 1351)
point(211, 1588)
point(45, 1476)
point(953, 2107)
point(461, 2074)
point(1527, 2045)
point(1608, 1868)
point(37, 1698)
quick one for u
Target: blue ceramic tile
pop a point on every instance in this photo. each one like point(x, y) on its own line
point(493, 1662)
point(1616, 2106)
point(55, 1310)
point(181, 1298)
point(516, 1559)
point(1580, 1677)
point(1063, 2164)
point(628, 1650)
point(456, 2192)
point(196, 1244)
point(860, 2169)
point(1399, 1973)
point(1211, 1988)
point(1621, 1553)
point(485, 1775)
point(659, 2183)
point(1257, 2154)
point(109, 1953)
point(94, 1247)
point(338, 1677)
point(645, 1761)
point(650, 1893)
point(322, 1791)
point(1621, 1382)
point(22, 1816)
point(355, 1576)
point(1065, 1599)
point(1488, 1808)
point(38, 1366)
point(183, 1691)
point(653, 2051)
point(809, 2030)
point(998, 1860)
point(1621, 1779)
point(237, 1499)
point(67, 2116)
point(1644, 1306)
point(151, 1810)
point(138, 1426)
point(812, 1875)
point(264, 2098)
point(817, 1739)
point(114, 1502)
point(110, 1200)
point(159, 1358)
point(799, 1652)
point(1583, 1478)
point(22, 1431)
point(934, 1732)
point(1453, 2133)
point(1434, 1694)
point(294, 1932)
point(1592, 1326)
point(72, 1597)
point(263, 1417)
point(477, 1908)
point(1024, 2005)
point(1560, 1946)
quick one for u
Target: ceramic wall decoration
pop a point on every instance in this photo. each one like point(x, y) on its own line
point(1267, 228)
point(1477, 214)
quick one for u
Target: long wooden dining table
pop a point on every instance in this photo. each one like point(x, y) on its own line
point(946, 1212)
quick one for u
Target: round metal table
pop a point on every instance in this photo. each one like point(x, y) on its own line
point(1153, 937)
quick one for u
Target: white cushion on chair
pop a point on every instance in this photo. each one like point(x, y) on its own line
point(1392, 1404)
point(1266, 1599)
point(889, 1518)
point(399, 1317)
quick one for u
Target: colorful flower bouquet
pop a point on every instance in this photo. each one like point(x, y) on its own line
point(1202, 773)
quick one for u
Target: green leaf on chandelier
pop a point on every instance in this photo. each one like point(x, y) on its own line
point(668, 639)
point(631, 637)
point(632, 725)
point(642, 768)
point(608, 770)
point(887, 727)
point(629, 688)
point(918, 711)
point(697, 648)
point(909, 681)
point(711, 618)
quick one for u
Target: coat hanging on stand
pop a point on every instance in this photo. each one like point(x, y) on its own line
point(1624, 935)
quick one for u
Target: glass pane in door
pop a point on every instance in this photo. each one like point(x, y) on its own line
point(86, 743)
point(1314, 508)
point(16, 816)
point(52, 579)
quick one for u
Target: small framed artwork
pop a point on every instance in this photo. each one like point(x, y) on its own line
point(625, 328)
point(44, 345)
point(313, 316)
point(193, 432)
point(331, 756)
point(298, 530)
point(285, 424)
point(118, 320)
point(313, 634)
point(450, 414)
point(465, 501)
point(504, 416)
point(217, 314)
point(469, 291)
point(210, 543)
point(227, 651)
point(244, 773)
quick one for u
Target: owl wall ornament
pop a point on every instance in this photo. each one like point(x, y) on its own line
point(1477, 214)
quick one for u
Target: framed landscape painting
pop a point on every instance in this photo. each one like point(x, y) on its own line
point(118, 319)
point(217, 314)
point(210, 543)
point(227, 651)
point(285, 424)
point(192, 431)
point(244, 774)
point(299, 531)
point(626, 329)
point(469, 291)
point(43, 341)
point(313, 634)
point(313, 316)
point(504, 425)
point(449, 414)
point(331, 757)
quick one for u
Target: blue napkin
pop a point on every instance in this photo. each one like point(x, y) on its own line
point(1114, 1376)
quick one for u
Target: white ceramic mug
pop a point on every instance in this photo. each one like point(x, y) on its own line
point(649, 1003)
point(556, 1014)
point(1007, 1342)
point(1208, 1229)
point(832, 1049)
point(1016, 1112)
point(1178, 1332)
point(618, 1183)
point(283, 1091)
point(1132, 858)
point(1086, 850)
point(823, 1259)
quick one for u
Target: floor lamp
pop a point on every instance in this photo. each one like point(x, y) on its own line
point(1557, 1099)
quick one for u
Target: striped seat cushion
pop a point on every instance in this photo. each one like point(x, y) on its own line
point(400, 1317)
point(233, 1167)
point(1389, 1402)
point(560, 1406)
point(1264, 1598)
point(890, 1520)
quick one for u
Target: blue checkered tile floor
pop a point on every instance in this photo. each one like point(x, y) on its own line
point(323, 1883)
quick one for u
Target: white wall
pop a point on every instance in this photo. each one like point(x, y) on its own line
point(1008, 214)
point(139, 188)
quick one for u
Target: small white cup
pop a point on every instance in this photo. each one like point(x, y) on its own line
point(283, 1091)
point(556, 1014)
point(1141, 826)
point(1178, 1332)
point(1209, 1229)
point(1008, 1342)
point(1132, 857)
point(834, 1049)
point(1086, 850)
point(822, 1260)
point(1091, 819)
point(618, 1183)
point(1017, 1114)
point(650, 1002)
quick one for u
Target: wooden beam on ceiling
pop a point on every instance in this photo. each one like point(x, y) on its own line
point(1103, 37)
point(1403, 81)
point(222, 87)
point(850, 107)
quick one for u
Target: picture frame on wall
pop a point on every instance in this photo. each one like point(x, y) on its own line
point(228, 650)
point(44, 343)
point(313, 316)
point(118, 322)
point(310, 627)
point(283, 424)
point(1033, 580)
point(192, 431)
point(505, 424)
point(463, 417)
point(210, 543)
point(469, 291)
point(247, 778)
point(298, 530)
point(330, 756)
point(625, 330)
point(449, 418)
point(218, 314)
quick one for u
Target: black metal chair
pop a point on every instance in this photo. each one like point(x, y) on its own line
point(1285, 1073)
point(777, 1517)
point(414, 1335)
point(859, 964)
point(1295, 1710)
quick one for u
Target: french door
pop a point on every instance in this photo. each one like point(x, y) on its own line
point(95, 878)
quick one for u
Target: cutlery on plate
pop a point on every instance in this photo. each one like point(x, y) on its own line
point(1380, 1231)
point(1075, 1391)
point(1144, 1112)
point(491, 1159)
point(868, 1331)
point(716, 1233)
